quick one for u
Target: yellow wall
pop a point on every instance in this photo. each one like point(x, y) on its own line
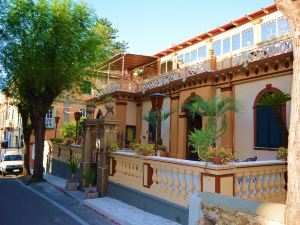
point(244, 130)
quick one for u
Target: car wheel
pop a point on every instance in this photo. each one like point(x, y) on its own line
point(3, 174)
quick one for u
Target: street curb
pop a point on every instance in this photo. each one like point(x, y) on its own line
point(86, 205)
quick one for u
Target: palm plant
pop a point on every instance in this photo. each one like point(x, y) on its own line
point(89, 177)
point(276, 100)
point(73, 164)
point(214, 109)
point(150, 117)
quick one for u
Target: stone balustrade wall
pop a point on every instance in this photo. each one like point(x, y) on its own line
point(57, 157)
point(175, 180)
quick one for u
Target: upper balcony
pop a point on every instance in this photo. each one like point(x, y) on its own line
point(261, 51)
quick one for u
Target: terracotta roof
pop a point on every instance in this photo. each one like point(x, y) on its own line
point(218, 30)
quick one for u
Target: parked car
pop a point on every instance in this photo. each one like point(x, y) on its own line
point(11, 162)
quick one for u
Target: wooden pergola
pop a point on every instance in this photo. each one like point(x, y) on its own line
point(125, 62)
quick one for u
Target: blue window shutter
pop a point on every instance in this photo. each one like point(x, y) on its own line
point(267, 128)
point(262, 126)
point(275, 138)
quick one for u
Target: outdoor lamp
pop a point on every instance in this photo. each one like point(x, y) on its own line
point(56, 120)
point(77, 116)
point(157, 100)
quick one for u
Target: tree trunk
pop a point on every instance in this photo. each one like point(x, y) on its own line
point(26, 135)
point(284, 133)
point(27, 129)
point(38, 122)
point(291, 10)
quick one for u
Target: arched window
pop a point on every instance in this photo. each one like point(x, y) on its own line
point(267, 133)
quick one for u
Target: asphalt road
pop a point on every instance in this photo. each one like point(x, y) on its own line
point(41, 204)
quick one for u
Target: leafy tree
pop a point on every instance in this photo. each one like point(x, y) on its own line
point(276, 100)
point(51, 46)
point(215, 110)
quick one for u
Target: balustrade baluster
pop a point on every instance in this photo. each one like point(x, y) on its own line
point(159, 177)
point(277, 180)
point(199, 182)
point(171, 181)
point(165, 179)
point(272, 182)
point(191, 182)
point(264, 185)
point(154, 178)
point(259, 186)
point(183, 185)
point(282, 181)
point(267, 185)
point(237, 185)
point(252, 185)
point(244, 185)
point(177, 182)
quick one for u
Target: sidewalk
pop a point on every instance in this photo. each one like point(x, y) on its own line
point(115, 210)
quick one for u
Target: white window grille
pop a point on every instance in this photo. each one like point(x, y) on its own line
point(50, 118)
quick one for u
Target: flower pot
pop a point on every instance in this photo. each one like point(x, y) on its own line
point(162, 153)
point(216, 160)
point(71, 186)
point(90, 110)
point(68, 142)
point(110, 109)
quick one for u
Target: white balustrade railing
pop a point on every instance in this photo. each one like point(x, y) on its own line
point(174, 179)
point(257, 182)
point(161, 80)
point(263, 51)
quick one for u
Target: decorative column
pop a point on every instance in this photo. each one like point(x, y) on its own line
point(121, 108)
point(89, 145)
point(138, 122)
point(174, 126)
point(181, 137)
point(108, 135)
point(227, 137)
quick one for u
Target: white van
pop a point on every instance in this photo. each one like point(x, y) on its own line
point(11, 162)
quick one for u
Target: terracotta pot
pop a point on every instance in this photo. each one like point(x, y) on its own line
point(109, 108)
point(90, 109)
point(216, 160)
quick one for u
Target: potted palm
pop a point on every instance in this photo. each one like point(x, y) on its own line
point(73, 164)
point(89, 177)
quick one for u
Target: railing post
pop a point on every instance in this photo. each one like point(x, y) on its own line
point(221, 184)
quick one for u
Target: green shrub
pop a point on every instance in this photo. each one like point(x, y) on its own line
point(56, 140)
point(68, 131)
point(146, 150)
point(89, 176)
point(282, 153)
point(73, 164)
point(113, 147)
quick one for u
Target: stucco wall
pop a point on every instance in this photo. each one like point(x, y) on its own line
point(165, 128)
point(131, 113)
point(244, 126)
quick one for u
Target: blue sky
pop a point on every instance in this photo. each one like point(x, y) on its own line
point(152, 26)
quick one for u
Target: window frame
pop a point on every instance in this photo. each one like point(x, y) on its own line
point(51, 119)
point(267, 89)
point(266, 24)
